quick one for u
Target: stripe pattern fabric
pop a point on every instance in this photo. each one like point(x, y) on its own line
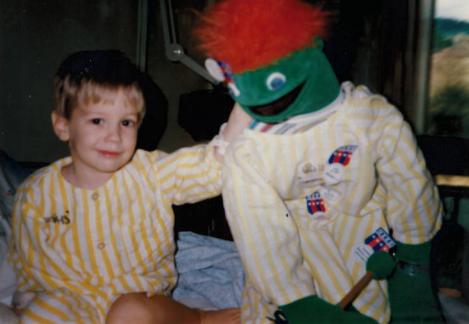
point(292, 249)
point(80, 249)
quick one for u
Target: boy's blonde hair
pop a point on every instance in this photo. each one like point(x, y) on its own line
point(90, 77)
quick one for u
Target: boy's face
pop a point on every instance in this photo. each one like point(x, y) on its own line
point(102, 136)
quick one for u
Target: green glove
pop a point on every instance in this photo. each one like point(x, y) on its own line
point(312, 309)
point(410, 290)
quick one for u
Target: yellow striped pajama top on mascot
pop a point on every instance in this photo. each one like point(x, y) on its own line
point(105, 242)
point(291, 250)
point(323, 174)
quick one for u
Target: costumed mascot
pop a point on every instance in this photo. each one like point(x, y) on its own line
point(326, 176)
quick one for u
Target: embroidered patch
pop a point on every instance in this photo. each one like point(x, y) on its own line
point(316, 206)
point(334, 171)
point(380, 240)
point(229, 78)
point(62, 219)
point(226, 70)
point(342, 155)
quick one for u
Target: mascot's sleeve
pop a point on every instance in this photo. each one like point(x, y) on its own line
point(414, 214)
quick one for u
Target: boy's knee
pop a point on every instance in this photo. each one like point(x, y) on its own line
point(131, 308)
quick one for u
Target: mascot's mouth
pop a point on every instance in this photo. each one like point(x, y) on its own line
point(279, 105)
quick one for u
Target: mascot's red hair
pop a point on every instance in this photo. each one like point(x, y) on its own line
point(248, 34)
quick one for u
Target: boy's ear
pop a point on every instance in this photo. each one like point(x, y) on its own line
point(60, 125)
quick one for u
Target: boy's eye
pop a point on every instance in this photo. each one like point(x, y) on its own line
point(128, 123)
point(275, 81)
point(97, 121)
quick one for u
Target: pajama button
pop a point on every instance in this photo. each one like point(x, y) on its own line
point(101, 246)
point(95, 196)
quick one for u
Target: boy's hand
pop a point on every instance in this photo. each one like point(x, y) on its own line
point(237, 122)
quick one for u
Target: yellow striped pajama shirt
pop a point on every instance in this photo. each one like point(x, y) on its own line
point(80, 249)
point(302, 204)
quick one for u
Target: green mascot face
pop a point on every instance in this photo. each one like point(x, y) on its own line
point(299, 83)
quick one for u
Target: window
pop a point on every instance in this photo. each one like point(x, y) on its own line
point(448, 93)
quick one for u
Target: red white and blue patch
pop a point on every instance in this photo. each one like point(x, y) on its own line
point(380, 241)
point(342, 155)
point(315, 205)
point(225, 68)
point(335, 169)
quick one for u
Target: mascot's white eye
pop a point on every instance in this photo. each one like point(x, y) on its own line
point(276, 81)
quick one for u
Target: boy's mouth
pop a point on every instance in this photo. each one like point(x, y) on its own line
point(279, 105)
point(109, 153)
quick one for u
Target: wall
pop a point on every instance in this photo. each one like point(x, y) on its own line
point(174, 78)
point(36, 35)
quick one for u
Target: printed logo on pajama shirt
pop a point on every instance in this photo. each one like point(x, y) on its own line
point(339, 159)
point(62, 219)
point(379, 240)
point(316, 206)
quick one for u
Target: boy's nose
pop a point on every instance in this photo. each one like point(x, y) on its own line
point(113, 134)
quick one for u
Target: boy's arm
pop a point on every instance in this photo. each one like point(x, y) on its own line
point(193, 174)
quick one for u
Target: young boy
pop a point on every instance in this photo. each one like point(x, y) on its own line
point(93, 232)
